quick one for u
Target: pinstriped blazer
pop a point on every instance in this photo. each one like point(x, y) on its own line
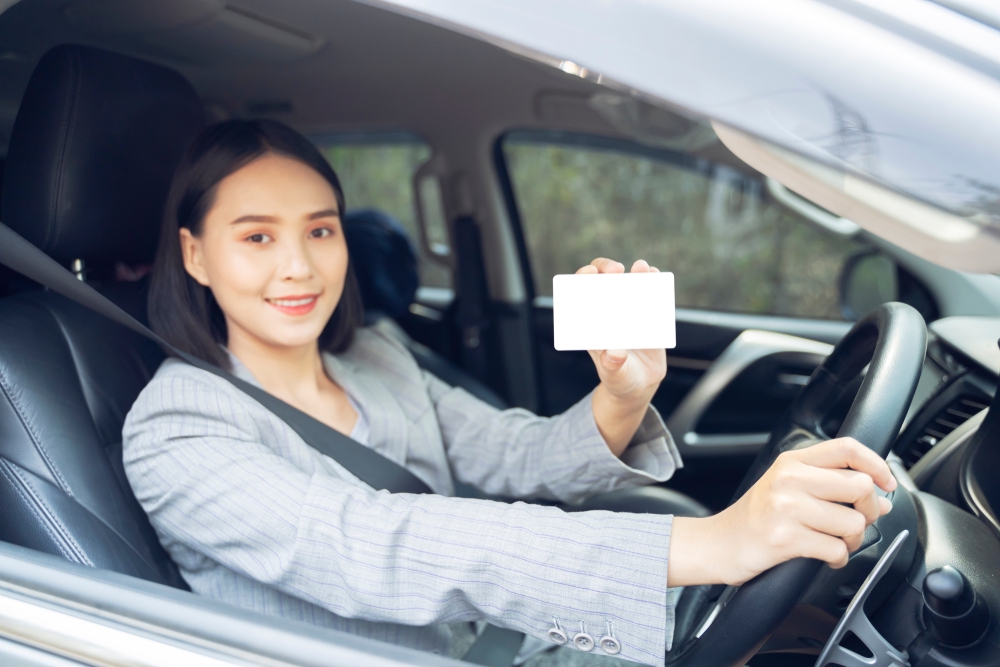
point(254, 516)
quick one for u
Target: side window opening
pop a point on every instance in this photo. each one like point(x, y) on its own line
point(730, 244)
point(377, 170)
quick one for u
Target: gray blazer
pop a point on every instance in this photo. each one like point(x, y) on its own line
point(254, 516)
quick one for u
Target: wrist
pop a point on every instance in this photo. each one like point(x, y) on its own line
point(627, 402)
point(696, 551)
point(617, 420)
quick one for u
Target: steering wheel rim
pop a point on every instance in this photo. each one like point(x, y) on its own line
point(892, 342)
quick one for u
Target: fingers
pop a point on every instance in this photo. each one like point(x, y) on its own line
point(849, 453)
point(839, 486)
point(820, 546)
point(837, 521)
point(605, 265)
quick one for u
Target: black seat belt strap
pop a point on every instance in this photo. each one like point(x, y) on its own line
point(366, 464)
point(495, 647)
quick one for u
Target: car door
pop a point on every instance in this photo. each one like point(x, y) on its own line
point(757, 282)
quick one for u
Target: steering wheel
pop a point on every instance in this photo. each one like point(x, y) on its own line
point(891, 341)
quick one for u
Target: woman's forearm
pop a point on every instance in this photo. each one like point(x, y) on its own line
point(618, 418)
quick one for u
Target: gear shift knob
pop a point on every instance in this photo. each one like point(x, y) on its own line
point(953, 612)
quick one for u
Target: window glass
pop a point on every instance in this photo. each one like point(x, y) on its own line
point(729, 245)
point(377, 172)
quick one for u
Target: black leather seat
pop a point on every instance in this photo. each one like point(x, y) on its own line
point(92, 151)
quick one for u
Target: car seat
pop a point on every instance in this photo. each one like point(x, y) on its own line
point(385, 265)
point(93, 148)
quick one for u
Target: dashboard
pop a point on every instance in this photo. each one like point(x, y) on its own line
point(947, 461)
point(938, 445)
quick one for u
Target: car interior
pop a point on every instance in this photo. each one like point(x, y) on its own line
point(472, 176)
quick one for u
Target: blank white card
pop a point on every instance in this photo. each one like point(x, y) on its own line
point(614, 311)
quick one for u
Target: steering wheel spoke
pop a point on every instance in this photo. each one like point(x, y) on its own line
point(854, 620)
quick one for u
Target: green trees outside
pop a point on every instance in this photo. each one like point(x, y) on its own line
point(728, 244)
point(380, 175)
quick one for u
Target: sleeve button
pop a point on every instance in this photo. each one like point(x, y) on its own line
point(610, 645)
point(582, 640)
point(556, 634)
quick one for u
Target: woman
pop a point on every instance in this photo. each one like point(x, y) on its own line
point(253, 274)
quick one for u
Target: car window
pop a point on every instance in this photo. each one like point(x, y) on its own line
point(730, 245)
point(377, 171)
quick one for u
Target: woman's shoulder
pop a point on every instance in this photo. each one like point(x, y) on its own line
point(180, 389)
point(376, 348)
point(174, 371)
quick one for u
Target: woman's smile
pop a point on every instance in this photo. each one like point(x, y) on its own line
point(301, 304)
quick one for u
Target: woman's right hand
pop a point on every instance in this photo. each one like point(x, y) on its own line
point(813, 502)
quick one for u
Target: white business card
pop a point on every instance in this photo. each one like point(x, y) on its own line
point(614, 311)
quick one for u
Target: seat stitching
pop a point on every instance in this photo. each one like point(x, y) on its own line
point(19, 411)
point(30, 505)
point(58, 525)
point(71, 104)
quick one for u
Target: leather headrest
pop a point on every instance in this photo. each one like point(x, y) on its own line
point(93, 149)
point(383, 260)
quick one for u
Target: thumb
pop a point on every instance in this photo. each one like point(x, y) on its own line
point(612, 360)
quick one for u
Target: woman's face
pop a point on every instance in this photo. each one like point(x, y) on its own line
point(272, 251)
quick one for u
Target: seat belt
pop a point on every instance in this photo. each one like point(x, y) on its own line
point(471, 297)
point(493, 647)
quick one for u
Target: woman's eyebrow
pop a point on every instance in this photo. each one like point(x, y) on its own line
point(326, 213)
point(254, 218)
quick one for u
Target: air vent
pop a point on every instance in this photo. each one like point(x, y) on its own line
point(953, 415)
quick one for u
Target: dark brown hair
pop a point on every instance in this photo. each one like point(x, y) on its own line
point(183, 311)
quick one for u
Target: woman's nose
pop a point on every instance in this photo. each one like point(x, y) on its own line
point(296, 264)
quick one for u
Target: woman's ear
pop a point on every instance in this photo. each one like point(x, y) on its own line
point(191, 250)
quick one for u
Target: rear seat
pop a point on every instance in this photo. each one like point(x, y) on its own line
point(385, 264)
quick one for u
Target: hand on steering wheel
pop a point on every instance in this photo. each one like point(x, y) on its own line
point(782, 500)
point(813, 503)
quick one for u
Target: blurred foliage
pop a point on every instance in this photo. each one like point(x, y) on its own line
point(380, 176)
point(730, 247)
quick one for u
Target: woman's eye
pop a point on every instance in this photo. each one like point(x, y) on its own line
point(258, 238)
point(321, 233)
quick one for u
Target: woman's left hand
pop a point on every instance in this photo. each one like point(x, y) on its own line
point(629, 378)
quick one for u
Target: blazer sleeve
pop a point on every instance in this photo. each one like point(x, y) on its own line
point(517, 454)
point(197, 459)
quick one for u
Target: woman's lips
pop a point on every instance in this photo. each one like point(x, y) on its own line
point(295, 305)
